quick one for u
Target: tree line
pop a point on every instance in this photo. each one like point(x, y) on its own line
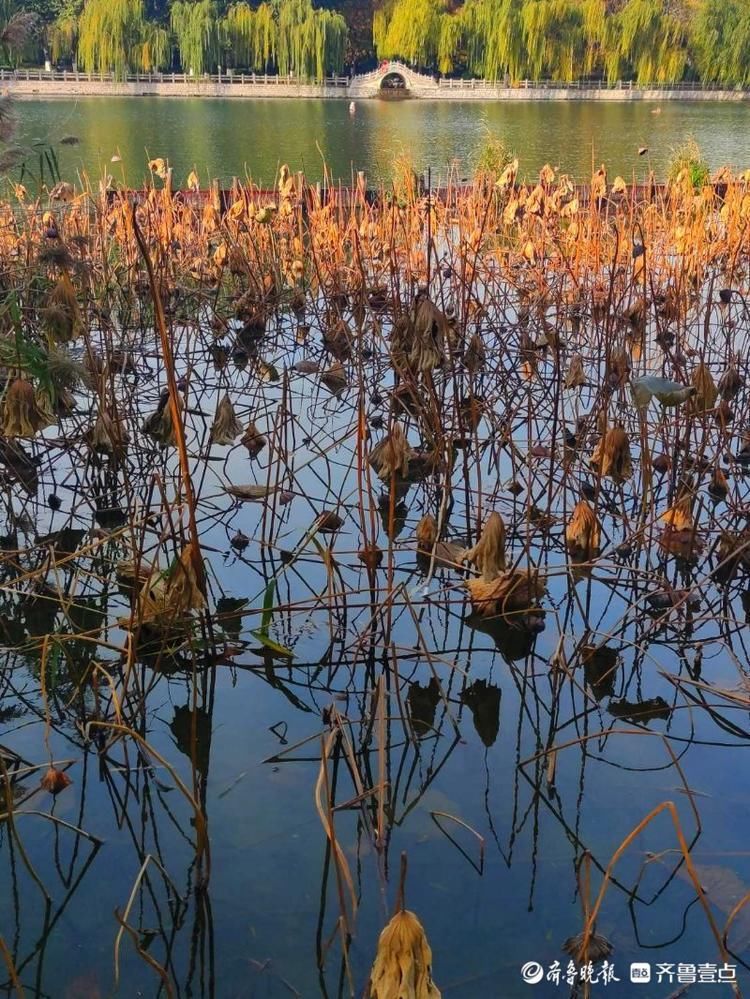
point(644, 40)
point(195, 36)
point(648, 41)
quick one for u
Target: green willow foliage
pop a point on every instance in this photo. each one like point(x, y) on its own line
point(285, 36)
point(110, 35)
point(292, 38)
point(195, 24)
point(644, 40)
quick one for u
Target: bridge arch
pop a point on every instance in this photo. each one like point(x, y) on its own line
point(394, 81)
point(407, 80)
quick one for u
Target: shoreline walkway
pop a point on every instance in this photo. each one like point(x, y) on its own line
point(398, 78)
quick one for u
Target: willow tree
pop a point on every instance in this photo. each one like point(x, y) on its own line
point(450, 43)
point(62, 37)
point(720, 41)
point(651, 41)
point(195, 24)
point(413, 32)
point(555, 39)
point(109, 33)
point(311, 41)
point(154, 48)
point(494, 38)
point(251, 35)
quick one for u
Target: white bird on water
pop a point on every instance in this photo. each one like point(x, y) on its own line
point(352, 107)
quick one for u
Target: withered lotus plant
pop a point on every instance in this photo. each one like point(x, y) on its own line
point(226, 427)
point(335, 379)
point(706, 392)
point(513, 595)
point(488, 554)
point(730, 383)
point(391, 456)
point(430, 329)
point(55, 781)
point(253, 440)
point(159, 425)
point(426, 533)
point(575, 376)
point(403, 964)
point(402, 968)
point(171, 595)
point(611, 457)
point(582, 532)
point(618, 367)
point(22, 416)
point(108, 435)
point(476, 356)
point(61, 315)
point(680, 536)
point(679, 516)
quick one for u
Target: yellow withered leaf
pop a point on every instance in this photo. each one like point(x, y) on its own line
point(403, 964)
point(582, 531)
point(158, 167)
point(488, 554)
point(391, 455)
point(22, 416)
point(706, 392)
point(575, 376)
point(426, 532)
point(611, 455)
point(226, 427)
point(511, 594)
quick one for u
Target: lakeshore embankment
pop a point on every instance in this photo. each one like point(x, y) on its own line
point(410, 84)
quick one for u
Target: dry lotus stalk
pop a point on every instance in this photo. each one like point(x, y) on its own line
point(706, 391)
point(575, 376)
point(582, 531)
point(403, 964)
point(511, 594)
point(488, 554)
point(226, 427)
point(611, 455)
point(22, 415)
point(391, 456)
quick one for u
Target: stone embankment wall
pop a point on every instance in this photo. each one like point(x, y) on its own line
point(38, 83)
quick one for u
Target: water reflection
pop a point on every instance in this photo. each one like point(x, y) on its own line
point(253, 137)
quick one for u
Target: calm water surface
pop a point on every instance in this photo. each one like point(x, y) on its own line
point(236, 137)
point(496, 888)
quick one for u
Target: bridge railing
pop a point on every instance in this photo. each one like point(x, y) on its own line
point(228, 78)
point(586, 84)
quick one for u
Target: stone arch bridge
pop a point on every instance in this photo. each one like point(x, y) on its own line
point(392, 75)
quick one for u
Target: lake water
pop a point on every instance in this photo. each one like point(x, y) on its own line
point(499, 761)
point(233, 138)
